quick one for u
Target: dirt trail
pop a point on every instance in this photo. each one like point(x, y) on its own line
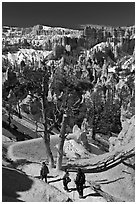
point(112, 178)
point(89, 194)
point(55, 178)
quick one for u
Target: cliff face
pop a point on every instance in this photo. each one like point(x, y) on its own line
point(45, 37)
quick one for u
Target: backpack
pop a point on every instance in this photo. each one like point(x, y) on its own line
point(80, 179)
point(66, 179)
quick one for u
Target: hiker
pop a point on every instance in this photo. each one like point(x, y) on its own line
point(44, 171)
point(66, 180)
point(80, 181)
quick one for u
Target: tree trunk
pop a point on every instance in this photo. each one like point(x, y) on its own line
point(47, 144)
point(93, 132)
point(48, 149)
point(61, 142)
point(93, 123)
point(9, 118)
point(19, 110)
point(44, 113)
point(36, 123)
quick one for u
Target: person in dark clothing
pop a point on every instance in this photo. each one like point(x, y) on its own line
point(80, 181)
point(66, 180)
point(44, 171)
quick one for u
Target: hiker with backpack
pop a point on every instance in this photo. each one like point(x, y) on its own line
point(44, 171)
point(80, 181)
point(66, 180)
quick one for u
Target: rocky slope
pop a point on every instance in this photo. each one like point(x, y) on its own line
point(44, 37)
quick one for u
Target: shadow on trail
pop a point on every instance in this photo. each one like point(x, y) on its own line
point(74, 189)
point(112, 181)
point(55, 180)
point(39, 177)
point(13, 182)
point(129, 165)
point(18, 131)
point(126, 172)
point(92, 194)
point(18, 162)
point(51, 176)
point(10, 199)
point(102, 180)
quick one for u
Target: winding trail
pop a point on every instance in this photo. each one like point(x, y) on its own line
point(54, 178)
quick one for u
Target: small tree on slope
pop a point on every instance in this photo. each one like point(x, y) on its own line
point(68, 90)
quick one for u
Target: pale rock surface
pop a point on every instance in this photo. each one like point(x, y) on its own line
point(126, 136)
point(74, 150)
